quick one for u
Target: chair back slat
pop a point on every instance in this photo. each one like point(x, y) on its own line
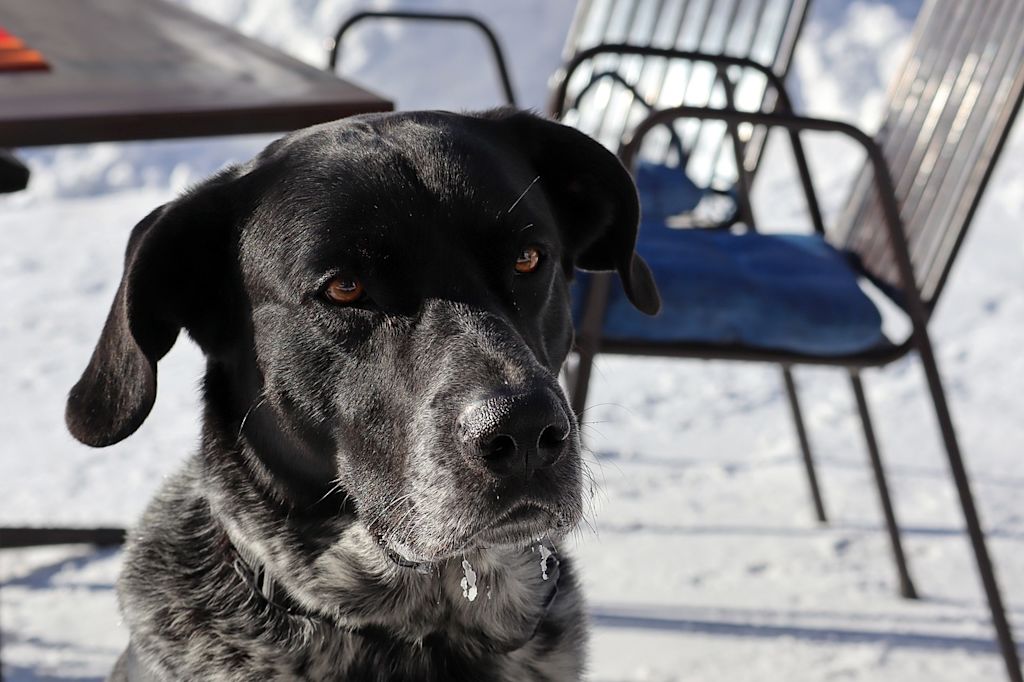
point(763, 30)
point(950, 111)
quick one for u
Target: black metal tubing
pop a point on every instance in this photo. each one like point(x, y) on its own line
point(561, 78)
point(11, 538)
point(907, 588)
point(492, 39)
point(557, 103)
point(14, 538)
point(589, 338)
point(916, 310)
point(743, 178)
point(13, 173)
point(876, 357)
point(805, 443)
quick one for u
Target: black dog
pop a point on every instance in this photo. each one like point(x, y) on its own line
point(387, 456)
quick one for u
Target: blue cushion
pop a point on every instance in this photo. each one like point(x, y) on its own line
point(782, 292)
point(665, 191)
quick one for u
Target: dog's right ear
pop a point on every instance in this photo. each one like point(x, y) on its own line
point(176, 276)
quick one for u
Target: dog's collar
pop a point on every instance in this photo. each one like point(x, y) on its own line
point(254, 574)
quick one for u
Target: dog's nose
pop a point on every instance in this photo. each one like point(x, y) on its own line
point(515, 434)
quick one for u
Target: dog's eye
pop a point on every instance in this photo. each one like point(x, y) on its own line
point(343, 290)
point(528, 259)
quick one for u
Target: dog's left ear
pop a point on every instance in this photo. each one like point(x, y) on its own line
point(594, 199)
point(176, 276)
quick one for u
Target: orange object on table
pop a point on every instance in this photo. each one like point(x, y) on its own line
point(15, 56)
point(9, 42)
point(22, 60)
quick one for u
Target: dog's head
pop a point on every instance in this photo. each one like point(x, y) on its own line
point(384, 304)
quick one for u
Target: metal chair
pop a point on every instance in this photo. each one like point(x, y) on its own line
point(625, 58)
point(950, 111)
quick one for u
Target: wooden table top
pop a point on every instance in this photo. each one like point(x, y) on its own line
point(145, 69)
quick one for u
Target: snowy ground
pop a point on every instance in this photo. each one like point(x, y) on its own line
point(705, 563)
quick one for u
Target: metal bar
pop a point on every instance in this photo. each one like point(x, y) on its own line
point(581, 19)
point(878, 357)
point(558, 100)
point(755, 23)
point(14, 174)
point(492, 40)
point(903, 137)
point(904, 159)
point(939, 144)
point(782, 97)
point(986, 571)
point(805, 444)
point(907, 589)
point(804, 171)
point(627, 28)
point(583, 25)
point(11, 538)
point(588, 338)
point(686, 78)
point(742, 178)
point(902, 98)
point(657, 101)
point(694, 145)
point(783, 52)
point(634, 73)
point(916, 176)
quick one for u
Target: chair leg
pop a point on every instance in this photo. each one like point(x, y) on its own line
point(805, 445)
point(1004, 633)
point(579, 382)
point(906, 584)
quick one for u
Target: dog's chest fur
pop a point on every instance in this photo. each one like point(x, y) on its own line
point(340, 612)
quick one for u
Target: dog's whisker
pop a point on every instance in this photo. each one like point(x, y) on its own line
point(333, 489)
point(591, 407)
point(383, 512)
point(255, 406)
point(521, 196)
point(591, 422)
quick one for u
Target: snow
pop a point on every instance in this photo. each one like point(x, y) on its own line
point(545, 554)
point(468, 582)
point(704, 562)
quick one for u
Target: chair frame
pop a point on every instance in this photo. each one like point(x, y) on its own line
point(334, 48)
point(775, 97)
point(746, 170)
point(589, 341)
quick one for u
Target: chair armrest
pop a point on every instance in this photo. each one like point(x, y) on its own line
point(795, 124)
point(560, 80)
point(475, 22)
